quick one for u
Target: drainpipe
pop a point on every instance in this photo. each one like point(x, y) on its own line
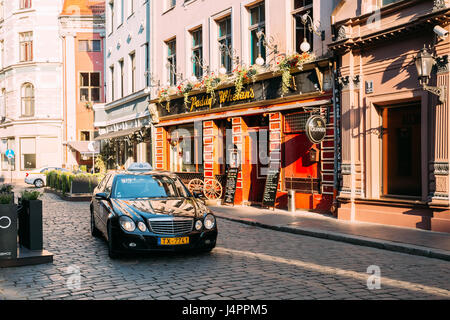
point(337, 131)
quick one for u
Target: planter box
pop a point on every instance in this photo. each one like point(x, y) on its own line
point(82, 186)
point(30, 224)
point(8, 231)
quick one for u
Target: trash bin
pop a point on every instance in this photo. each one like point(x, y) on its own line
point(291, 201)
point(8, 231)
point(30, 224)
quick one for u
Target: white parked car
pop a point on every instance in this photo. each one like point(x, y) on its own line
point(37, 176)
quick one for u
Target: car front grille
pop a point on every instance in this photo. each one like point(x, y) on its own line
point(171, 226)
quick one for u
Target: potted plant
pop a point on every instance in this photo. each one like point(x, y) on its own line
point(30, 220)
point(8, 224)
point(7, 188)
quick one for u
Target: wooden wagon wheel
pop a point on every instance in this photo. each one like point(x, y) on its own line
point(213, 189)
point(196, 185)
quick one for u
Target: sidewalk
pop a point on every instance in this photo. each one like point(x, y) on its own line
point(405, 240)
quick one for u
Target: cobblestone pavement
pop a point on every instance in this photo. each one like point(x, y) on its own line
point(248, 263)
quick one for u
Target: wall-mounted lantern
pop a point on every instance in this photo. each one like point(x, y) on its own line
point(424, 64)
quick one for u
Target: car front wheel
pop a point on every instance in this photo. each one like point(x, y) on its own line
point(38, 183)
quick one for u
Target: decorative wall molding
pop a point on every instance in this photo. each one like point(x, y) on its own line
point(342, 34)
point(442, 65)
point(346, 168)
point(441, 168)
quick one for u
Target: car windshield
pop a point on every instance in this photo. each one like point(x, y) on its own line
point(149, 186)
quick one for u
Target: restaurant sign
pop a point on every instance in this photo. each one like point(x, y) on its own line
point(269, 89)
point(316, 129)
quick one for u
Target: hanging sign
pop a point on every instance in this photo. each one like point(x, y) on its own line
point(316, 129)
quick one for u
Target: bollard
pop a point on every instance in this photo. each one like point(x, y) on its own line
point(291, 201)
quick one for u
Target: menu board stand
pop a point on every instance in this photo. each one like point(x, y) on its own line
point(230, 186)
point(271, 188)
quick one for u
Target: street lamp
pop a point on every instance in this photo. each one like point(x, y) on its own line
point(424, 63)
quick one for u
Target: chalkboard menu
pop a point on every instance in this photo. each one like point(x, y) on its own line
point(271, 187)
point(230, 187)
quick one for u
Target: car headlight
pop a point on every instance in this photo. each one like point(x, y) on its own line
point(198, 225)
point(142, 226)
point(127, 224)
point(210, 221)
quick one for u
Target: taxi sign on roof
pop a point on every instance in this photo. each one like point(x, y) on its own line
point(140, 166)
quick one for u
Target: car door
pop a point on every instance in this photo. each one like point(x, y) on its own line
point(96, 202)
point(104, 206)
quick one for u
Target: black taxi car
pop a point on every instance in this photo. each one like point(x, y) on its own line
point(143, 210)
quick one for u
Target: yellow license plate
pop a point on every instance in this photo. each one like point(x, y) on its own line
point(173, 241)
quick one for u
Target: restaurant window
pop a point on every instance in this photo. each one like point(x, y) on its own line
point(185, 149)
point(225, 41)
point(89, 45)
point(197, 53)
point(26, 46)
point(90, 86)
point(28, 153)
point(8, 144)
point(25, 4)
point(257, 24)
point(27, 96)
point(302, 32)
point(172, 61)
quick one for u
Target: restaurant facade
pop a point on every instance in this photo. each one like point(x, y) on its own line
point(259, 129)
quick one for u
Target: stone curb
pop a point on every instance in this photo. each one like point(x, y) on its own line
point(357, 240)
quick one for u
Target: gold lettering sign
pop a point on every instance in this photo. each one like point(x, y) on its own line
point(225, 96)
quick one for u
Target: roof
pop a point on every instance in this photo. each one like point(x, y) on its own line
point(83, 7)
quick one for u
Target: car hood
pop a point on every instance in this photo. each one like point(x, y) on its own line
point(150, 208)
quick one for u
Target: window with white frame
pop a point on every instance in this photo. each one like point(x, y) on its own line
point(130, 7)
point(302, 31)
point(257, 24)
point(111, 10)
point(27, 153)
point(112, 75)
point(172, 61)
point(90, 86)
point(27, 96)
point(122, 75)
point(26, 46)
point(132, 71)
point(171, 4)
point(225, 42)
point(197, 53)
point(25, 4)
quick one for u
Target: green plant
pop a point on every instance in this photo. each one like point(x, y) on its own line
point(30, 195)
point(6, 188)
point(6, 198)
point(100, 164)
point(289, 62)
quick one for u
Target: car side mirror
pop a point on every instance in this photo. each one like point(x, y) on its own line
point(101, 196)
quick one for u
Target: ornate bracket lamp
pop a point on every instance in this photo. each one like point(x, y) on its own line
point(270, 44)
point(424, 64)
point(308, 22)
point(228, 51)
point(196, 60)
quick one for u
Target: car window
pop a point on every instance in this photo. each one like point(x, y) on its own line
point(108, 186)
point(148, 186)
point(44, 170)
point(102, 183)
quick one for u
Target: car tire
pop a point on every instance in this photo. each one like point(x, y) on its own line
point(94, 231)
point(111, 252)
point(38, 183)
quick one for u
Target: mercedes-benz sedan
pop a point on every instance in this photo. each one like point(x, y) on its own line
point(140, 210)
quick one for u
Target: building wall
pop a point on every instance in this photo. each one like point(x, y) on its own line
point(44, 72)
point(388, 63)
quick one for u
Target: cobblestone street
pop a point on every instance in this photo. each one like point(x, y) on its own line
point(248, 263)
